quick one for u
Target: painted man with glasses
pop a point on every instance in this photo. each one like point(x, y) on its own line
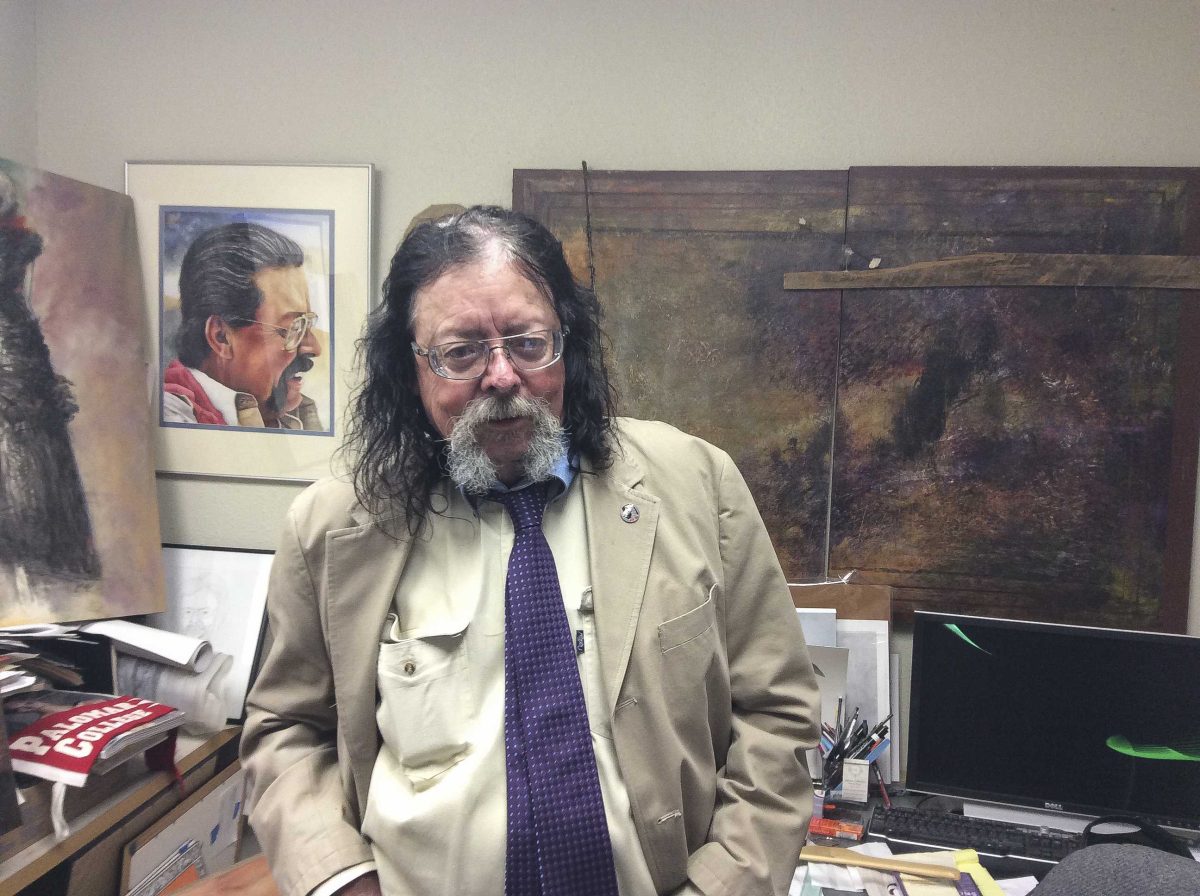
point(246, 336)
point(528, 646)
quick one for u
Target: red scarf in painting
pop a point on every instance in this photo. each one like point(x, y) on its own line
point(178, 380)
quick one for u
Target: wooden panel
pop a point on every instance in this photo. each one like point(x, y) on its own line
point(689, 271)
point(906, 215)
point(1023, 451)
point(1015, 269)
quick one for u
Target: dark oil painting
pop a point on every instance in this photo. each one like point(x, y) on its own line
point(1009, 451)
point(1008, 448)
point(689, 272)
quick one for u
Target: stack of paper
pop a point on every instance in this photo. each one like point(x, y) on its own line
point(56, 656)
point(170, 668)
point(14, 677)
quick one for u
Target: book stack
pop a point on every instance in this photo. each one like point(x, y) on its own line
point(80, 701)
point(68, 735)
point(71, 737)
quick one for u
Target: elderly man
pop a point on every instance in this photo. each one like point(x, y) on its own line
point(246, 335)
point(532, 647)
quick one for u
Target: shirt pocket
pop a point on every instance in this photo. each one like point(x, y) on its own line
point(425, 708)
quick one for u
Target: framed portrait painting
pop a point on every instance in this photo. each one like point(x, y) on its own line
point(258, 281)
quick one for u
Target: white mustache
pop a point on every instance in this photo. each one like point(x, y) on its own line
point(485, 410)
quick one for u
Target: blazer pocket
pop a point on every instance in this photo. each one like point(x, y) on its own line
point(425, 706)
point(691, 625)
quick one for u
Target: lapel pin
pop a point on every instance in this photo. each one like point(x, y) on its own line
point(629, 513)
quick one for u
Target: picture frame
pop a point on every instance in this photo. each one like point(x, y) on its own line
point(326, 211)
point(219, 595)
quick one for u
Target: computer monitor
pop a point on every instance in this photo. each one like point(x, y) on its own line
point(1071, 721)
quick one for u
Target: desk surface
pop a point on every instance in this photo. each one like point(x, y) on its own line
point(43, 855)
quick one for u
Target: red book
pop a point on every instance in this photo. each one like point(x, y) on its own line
point(66, 735)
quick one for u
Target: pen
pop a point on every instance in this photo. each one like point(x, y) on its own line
point(882, 724)
point(853, 723)
point(874, 740)
point(858, 740)
point(883, 791)
point(837, 721)
point(862, 748)
point(878, 749)
point(831, 757)
point(860, 734)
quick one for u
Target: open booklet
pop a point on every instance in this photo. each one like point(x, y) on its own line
point(170, 667)
point(171, 648)
point(67, 737)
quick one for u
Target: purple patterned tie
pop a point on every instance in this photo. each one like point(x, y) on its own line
point(557, 834)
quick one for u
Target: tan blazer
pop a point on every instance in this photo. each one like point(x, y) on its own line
point(711, 693)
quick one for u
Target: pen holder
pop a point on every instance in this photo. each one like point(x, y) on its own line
point(855, 749)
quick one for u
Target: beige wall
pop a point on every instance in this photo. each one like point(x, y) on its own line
point(446, 99)
point(18, 81)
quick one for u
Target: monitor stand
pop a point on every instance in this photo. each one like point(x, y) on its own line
point(1061, 821)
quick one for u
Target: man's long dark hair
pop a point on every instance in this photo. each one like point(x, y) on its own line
point(397, 456)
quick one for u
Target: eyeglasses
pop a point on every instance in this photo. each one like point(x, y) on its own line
point(292, 335)
point(469, 359)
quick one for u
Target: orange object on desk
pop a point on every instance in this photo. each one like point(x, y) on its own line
point(836, 828)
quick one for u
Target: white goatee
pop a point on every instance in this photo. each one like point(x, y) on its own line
point(469, 466)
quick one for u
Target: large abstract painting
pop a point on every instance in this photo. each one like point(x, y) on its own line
point(689, 271)
point(1014, 451)
point(1008, 450)
point(79, 534)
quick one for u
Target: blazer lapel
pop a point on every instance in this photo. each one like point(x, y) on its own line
point(363, 569)
point(621, 521)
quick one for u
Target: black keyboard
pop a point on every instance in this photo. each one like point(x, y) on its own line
point(947, 830)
